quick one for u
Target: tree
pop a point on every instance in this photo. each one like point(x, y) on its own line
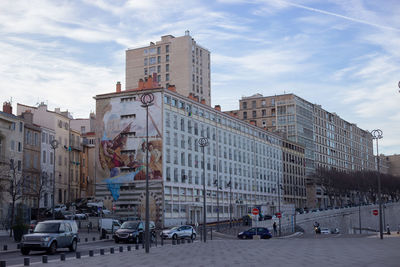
point(15, 189)
point(39, 188)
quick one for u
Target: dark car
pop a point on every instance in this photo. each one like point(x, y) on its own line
point(263, 232)
point(133, 231)
point(50, 235)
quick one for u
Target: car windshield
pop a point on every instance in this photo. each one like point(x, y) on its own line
point(174, 228)
point(129, 225)
point(47, 228)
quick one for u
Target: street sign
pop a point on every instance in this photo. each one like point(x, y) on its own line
point(278, 214)
point(375, 212)
point(255, 211)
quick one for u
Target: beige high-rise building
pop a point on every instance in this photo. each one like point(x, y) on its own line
point(178, 61)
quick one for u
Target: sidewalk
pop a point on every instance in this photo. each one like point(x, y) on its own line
point(12, 246)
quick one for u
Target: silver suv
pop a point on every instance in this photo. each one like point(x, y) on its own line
point(184, 231)
point(50, 235)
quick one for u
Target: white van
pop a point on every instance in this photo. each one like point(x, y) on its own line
point(108, 226)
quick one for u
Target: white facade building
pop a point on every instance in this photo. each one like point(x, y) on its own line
point(47, 166)
point(239, 154)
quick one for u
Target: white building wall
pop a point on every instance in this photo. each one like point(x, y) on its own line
point(47, 166)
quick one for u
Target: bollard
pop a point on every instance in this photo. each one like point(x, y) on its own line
point(18, 246)
point(26, 261)
point(44, 259)
point(62, 257)
point(178, 241)
point(183, 241)
point(91, 253)
point(211, 233)
point(173, 242)
point(143, 243)
point(128, 248)
point(111, 250)
point(107, 237)
point(94, 238)
point(137, 246)
point(86, 240)
point(121, 249)
point(5, 247)
point(2, 263)
point(102, 251)
point(78, 255)
point(162, 241)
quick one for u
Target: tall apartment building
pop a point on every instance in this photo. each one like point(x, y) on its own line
point(58, 122)
point(178, 61)
point(11, 153)
point(329, 141)
point(243, 164)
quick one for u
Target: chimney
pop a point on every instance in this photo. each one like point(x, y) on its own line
point(28, 116)
point(217, 107)
point(172, 88)
point(7, 108)
point(118, 87)
point(203, 101)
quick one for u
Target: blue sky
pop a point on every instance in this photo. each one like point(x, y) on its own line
point(342, 54)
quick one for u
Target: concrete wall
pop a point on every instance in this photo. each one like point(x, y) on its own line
point(347, 220)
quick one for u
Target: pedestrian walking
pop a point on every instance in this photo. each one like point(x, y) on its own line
point(387, 229)
point(274, 226)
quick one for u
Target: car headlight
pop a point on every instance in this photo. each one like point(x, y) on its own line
point(46, 238)
point(241, 233)
point(131, 234)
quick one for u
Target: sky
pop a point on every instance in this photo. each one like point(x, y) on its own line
point(341, 54)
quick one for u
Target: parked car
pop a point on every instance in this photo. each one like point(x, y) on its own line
point(51, 235)
point(335, 231)
point(263, 232)
point(133, 231)
point(80, 216)
point(325, 231)
point(60, 208)
point(108, 226)
point(184, 231)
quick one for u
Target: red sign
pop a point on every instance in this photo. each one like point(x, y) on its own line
point(375, 212)
point(114, 207)
point(278, 214)
point(255, 211)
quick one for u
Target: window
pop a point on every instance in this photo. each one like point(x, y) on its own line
point(12, 144)
point(167, 67)
point(167, 49)
point(152, 60)
point(167, 58)
point(145, 71)
point(158, 68)
point(44, 156)
point(21, 127)
point(167, 77)
point(159, 59)
point(253, 104)
point(158, 50)
point(152, 70)
point(245, 115)
point(244, 105)
point(43, 138)
point(145, 61)
point(19, 147)
point(254, 113)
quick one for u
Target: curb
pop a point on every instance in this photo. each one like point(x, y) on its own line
point(290, 236)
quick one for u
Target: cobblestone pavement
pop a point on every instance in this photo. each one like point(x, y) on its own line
point(328, 251)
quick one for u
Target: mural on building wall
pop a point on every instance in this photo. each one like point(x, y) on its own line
point(122, 150)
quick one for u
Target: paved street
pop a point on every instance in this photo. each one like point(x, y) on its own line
point(325, 250)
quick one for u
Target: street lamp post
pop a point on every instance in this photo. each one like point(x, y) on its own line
point(203, 142)
point(54, 144)
point(279, 206)
point(217, 183)
point(230, 202)
point(147, 100)
point(378, 134)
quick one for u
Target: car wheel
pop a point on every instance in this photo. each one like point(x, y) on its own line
point(53, 248)
point(175, 237)
point(73, 246)
point(193, 236)
point(25, 251)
